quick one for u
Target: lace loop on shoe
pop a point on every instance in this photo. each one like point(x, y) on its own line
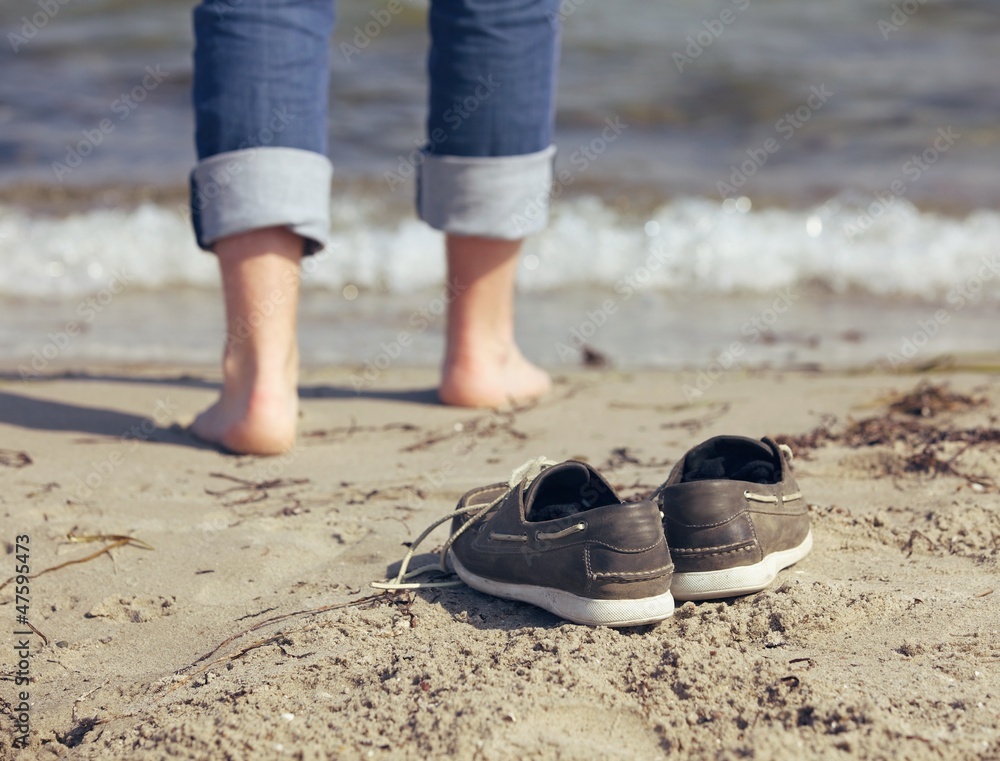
point(551, 535)
point(771, 498)
point(524, 474)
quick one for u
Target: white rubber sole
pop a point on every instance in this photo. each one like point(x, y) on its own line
point(579, 610)
point(730, 582)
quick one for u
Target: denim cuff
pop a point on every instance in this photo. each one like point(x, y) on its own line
point(491, 196)
point(239, 191)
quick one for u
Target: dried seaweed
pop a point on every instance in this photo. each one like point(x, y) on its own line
point(256, 491)
point(594, 358)
point(928, 400)
point(902, 428)
point(10, 458)
point(483, 427)
point(346, 432)
point(695, 424)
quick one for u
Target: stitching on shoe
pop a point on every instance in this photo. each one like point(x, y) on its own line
point(702, 553)
point(626, 549)
point(744, 511)
point(652, 572)
point(729, 546)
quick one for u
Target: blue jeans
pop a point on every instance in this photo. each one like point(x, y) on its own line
point(261, 75)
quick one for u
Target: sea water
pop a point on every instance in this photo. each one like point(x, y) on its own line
point(786, 184)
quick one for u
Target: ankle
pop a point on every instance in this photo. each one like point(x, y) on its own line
point(249, 365)
point(493, 349)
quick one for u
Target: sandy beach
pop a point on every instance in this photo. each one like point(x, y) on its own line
point(240, 623)
point(762, 214)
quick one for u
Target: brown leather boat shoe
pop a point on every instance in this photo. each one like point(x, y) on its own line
point(566, 542)
point(733, 517)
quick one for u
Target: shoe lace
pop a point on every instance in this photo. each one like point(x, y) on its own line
point(524, 474)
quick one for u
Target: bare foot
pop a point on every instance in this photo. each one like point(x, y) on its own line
point(256, 412)
point(258, 408)
point(492, 381)
point(483, 366)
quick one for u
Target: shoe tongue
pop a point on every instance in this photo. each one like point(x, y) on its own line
point(732, 458)
point(566, 489)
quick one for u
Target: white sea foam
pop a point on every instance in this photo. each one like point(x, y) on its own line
point(689, 245)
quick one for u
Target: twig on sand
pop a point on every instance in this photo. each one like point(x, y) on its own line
point(117, 540)
point(348, 431)
point(695, 424)
point(483, 427)
point(86, 695)
point(247, 485)
point(81, 538)
point(268, 640)
point(908, 545)
point(45, 640)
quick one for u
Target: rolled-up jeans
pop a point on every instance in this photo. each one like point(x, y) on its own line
point(261, 76)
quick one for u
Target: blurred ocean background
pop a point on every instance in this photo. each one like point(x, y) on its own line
point(816, 182)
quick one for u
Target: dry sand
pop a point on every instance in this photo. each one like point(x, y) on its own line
point(882, 644)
